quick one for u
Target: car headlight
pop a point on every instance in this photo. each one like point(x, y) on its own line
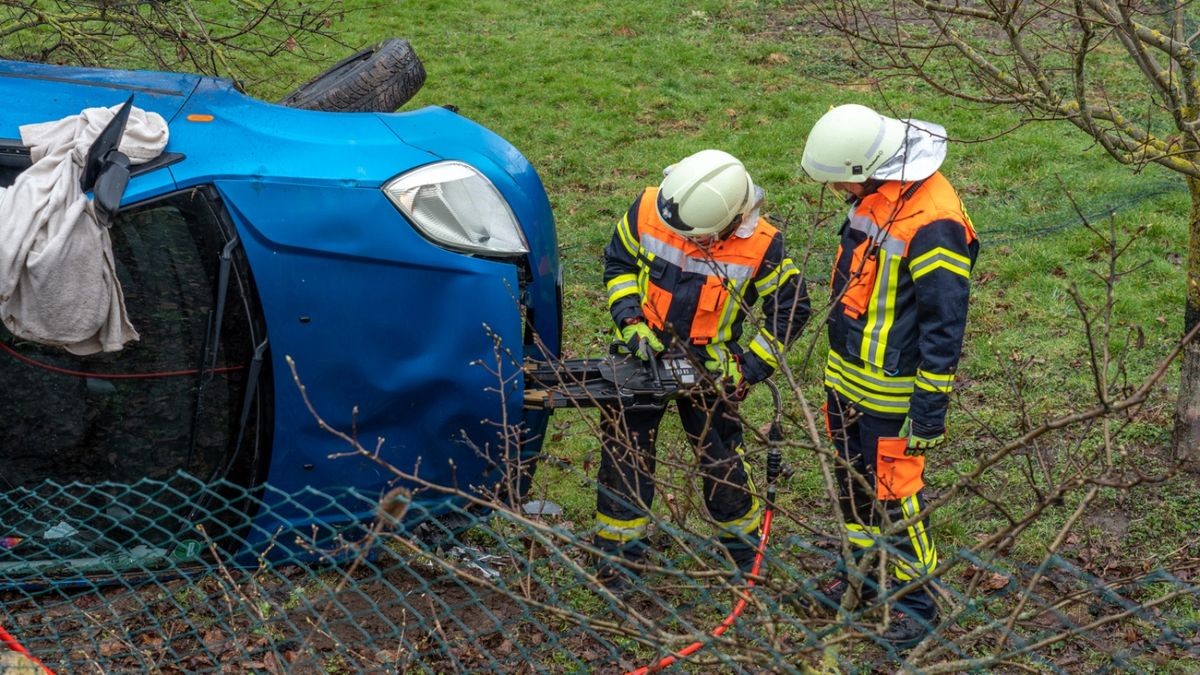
point(454, 205)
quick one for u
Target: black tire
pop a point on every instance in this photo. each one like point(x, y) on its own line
point(380, 78)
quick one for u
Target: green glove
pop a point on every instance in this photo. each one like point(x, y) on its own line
point(917, 445)
point(640, 340)
point(730, 372)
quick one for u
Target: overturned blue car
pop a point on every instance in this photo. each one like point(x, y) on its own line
point(406, 263)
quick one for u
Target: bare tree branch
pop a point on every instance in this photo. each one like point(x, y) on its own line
point(235, 40)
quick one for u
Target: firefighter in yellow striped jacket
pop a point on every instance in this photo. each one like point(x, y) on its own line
point(681, 270)
point(900, 289)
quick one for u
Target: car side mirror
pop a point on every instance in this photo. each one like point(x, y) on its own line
point(110, 186)
point(106, 171)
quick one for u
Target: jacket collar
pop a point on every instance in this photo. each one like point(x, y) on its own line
point(891, 190)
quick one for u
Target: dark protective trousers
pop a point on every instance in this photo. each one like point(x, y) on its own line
point(911, 551)
point(625, 492)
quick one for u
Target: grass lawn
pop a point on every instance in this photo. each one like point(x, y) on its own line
point(602, 95)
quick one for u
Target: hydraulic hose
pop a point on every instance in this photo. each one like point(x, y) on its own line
point(774, 469)
point(11, 642)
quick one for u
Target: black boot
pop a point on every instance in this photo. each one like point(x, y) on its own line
point(613, 571)
point(826, 592)
point(743, 552)
point(906, 629)
point(616, 578)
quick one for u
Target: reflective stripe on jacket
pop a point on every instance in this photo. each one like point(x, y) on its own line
point(902, 284)
point(700, 294)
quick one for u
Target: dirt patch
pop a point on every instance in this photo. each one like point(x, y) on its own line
point(1113, 523)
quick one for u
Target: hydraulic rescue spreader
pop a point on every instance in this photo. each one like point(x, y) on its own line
point(618, 380)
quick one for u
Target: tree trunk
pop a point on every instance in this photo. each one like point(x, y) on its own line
point(1186, 439)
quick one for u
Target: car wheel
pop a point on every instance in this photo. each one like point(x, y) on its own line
point(380, 78)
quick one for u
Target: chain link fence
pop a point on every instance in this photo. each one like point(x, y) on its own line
point(163, 576)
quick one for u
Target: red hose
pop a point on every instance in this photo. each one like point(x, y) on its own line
point(11, 642)
point(109, 376)
point(729, 620)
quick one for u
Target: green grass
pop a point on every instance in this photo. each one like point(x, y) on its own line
point(601, 96)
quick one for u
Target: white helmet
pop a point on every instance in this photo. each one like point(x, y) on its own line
point(705, 193)
point(849, 143)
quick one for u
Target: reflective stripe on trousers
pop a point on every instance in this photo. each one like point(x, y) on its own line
point(625, 482)
point(912, 552)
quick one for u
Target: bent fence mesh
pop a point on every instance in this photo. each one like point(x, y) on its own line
point(169, 577)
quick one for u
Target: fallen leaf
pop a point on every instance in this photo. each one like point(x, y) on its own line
point(993, 582)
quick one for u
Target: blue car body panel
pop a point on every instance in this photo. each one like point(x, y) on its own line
point(375, 316)
point(387, 323)
point(441, 131)
point(49, 92)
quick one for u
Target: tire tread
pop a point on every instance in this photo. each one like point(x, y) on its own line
point(380, 78)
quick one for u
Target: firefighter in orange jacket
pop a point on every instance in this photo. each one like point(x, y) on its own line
point(683, 266)
point(900, 290)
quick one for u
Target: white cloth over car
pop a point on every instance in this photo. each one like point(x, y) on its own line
point(58, 281)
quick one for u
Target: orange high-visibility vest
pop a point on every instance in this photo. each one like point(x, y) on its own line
point(729, 265)
point(891, 228)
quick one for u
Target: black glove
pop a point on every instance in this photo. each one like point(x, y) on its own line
point(755, 369)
